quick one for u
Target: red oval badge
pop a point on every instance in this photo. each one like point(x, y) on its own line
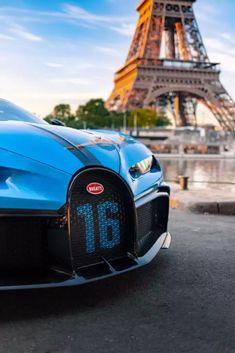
point(95, 188)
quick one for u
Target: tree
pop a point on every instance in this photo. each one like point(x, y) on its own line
point(117, 119)
point(147, 118)
point(49, 118)
point(64, 113)
point(163, 121)
point(94, 114)
point(143, 117)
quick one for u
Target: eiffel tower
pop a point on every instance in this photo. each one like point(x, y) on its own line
point(168, 65)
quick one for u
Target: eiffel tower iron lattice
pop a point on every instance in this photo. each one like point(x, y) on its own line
point(168, 62)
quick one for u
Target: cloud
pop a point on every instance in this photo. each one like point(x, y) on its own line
point(108, 51)
point(72, 65)
point(72, 81)
point(228, 36)
point(206, 13)
point(126, 29)
point(5, 37)
point(214, 43)
point(62, 96)
point(54, 65)
point(221, 51)
point(21, 32)
point(119, 24)
point(77, 12)
point(72, 14)
point(209, 9)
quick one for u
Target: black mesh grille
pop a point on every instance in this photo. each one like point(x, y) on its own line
point(152, 222)
point(101, 226)
point(145, 220)
point(23, 245)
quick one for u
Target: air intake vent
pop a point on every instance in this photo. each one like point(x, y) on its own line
point(102, 218)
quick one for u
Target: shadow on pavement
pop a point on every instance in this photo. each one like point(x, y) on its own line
point(18, 305)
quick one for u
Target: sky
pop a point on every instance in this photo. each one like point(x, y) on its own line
point(67, 51)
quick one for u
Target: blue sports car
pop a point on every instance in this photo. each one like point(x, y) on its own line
point(75, 206)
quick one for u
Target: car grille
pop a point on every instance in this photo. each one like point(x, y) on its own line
point(152, 218)
point(23, 245)
point(101, 225)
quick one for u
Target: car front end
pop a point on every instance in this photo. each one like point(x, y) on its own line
point(76, 206)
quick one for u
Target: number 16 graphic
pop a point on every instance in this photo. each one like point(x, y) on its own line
point(105, 223)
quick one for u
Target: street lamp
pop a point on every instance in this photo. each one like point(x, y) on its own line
point(135, 125)
point(124, 122)
point(114, 108)
point(85, 121)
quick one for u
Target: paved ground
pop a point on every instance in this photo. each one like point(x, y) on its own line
point(200, 193)
point(184, 302)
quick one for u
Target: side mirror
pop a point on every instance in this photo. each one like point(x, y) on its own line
point(57, 122)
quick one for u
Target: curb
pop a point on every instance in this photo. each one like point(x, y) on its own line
point(216, 208)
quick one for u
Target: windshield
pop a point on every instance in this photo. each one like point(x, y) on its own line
point(9, 111)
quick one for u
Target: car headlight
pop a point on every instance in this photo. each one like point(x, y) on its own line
point(142, 167)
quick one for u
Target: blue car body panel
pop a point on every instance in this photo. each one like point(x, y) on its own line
point(37, 162)
point(30, 185)
point(72, 208)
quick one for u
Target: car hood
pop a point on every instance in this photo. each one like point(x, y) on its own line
point(68, 149)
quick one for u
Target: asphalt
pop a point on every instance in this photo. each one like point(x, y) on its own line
point(184, 302)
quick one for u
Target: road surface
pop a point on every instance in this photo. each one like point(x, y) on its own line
point(184, 302)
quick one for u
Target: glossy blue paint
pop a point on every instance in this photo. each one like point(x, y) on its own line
point(38, 161)
point(131, 152)
point(86, 141)
point(29, 141)
point(28, 184)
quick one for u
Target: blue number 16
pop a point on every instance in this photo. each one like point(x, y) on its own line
point(105, 223)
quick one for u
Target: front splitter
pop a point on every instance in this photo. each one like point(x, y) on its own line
point(163, 242)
